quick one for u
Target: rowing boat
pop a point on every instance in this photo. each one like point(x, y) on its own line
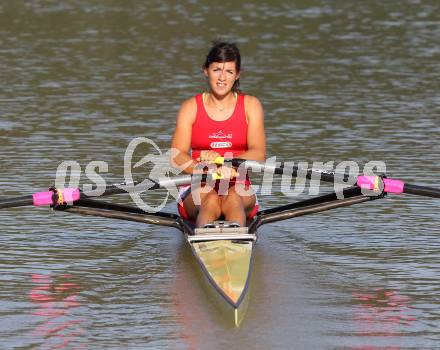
point(223, 251)
point(225, 255)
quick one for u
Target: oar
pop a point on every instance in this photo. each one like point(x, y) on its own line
point(374, 183)
point(69, 195)
point(66, 195)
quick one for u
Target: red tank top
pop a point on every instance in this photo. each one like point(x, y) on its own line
point(228, 135)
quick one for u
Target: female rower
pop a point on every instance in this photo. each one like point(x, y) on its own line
point(222, 121)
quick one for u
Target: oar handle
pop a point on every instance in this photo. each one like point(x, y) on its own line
point(219, 160)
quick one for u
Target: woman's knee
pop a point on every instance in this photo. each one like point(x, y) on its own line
point(232, 202)
point(211, 201)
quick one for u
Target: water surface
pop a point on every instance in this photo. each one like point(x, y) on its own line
point(338, 81)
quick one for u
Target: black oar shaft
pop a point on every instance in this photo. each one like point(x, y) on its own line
point(421, 190)
point(16, 202)
point(150, 184)
point(293, 170)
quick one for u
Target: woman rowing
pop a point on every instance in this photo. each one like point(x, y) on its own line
point(220, 122)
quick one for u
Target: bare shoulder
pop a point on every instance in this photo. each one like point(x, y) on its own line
point(189, 105)
point(188, 110)
point(251, 100)
point(253, 107)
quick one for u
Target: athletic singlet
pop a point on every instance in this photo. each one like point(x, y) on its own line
point(223, 136)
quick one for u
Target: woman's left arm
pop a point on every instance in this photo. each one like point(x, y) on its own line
point(256, 136)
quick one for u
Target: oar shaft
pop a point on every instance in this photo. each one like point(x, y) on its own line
point(17, 202)
point(367, 182)
point(421, 190)
point(281, 168)
point(69, 195)
point(150, 184)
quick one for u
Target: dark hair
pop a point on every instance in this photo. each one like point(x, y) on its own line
point(225, 52)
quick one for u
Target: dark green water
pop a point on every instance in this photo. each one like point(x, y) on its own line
point(338, 80)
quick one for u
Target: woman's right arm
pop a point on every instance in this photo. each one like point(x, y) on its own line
point(181, 142)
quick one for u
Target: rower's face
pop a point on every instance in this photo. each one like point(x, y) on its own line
point(222, 76)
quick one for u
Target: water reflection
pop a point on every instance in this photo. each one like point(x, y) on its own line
point(382, 313)
point(54, 300)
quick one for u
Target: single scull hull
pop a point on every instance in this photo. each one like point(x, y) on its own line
point(225, 257)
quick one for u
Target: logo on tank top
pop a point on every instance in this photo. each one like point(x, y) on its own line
point(226, 144)
point(220, 135)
